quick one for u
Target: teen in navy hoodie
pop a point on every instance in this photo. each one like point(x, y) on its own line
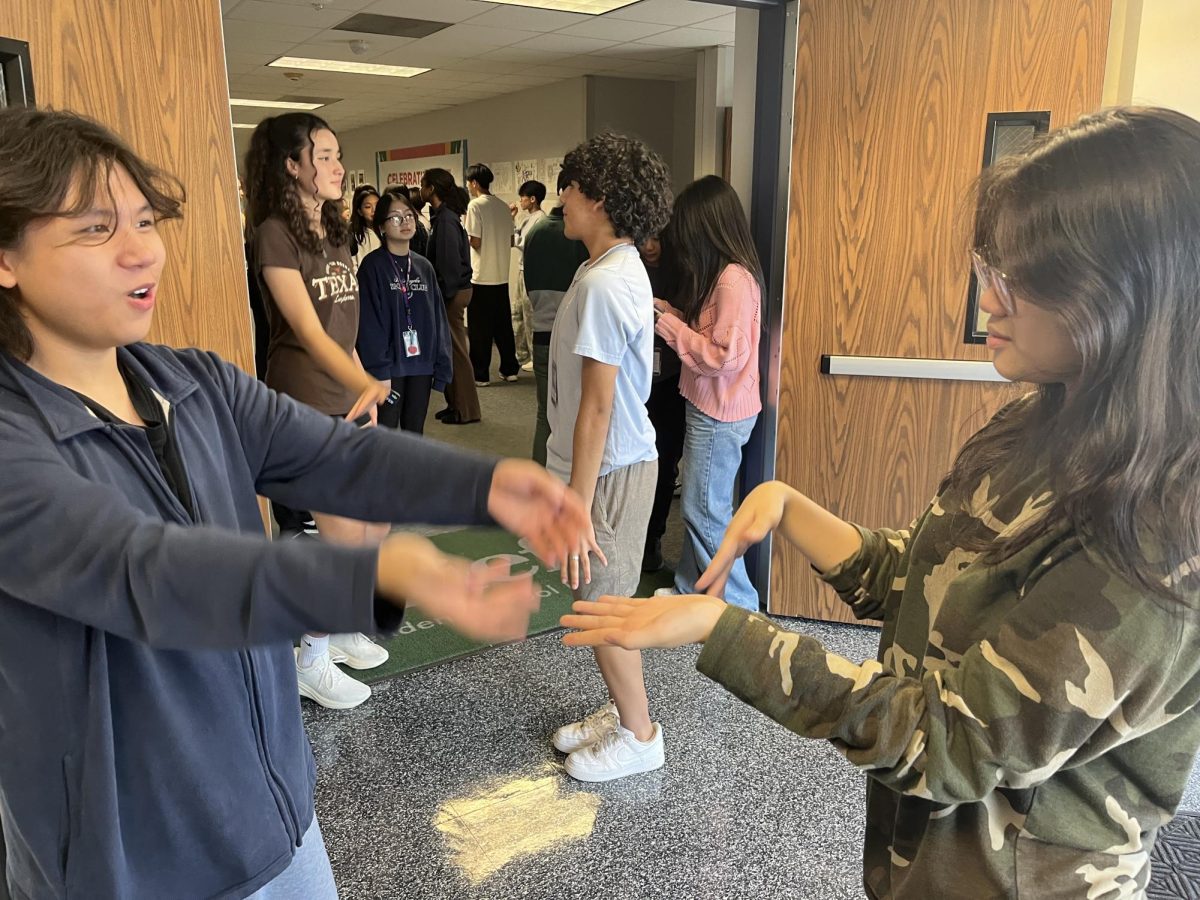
point(403, 332)
point(150, 739)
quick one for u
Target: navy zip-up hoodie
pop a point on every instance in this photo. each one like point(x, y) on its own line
point(383, 318)
point(151, 744)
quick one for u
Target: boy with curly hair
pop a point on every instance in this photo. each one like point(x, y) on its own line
point(617, 194)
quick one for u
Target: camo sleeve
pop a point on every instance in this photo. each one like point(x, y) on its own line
point(870, 582)
point(1083, 662)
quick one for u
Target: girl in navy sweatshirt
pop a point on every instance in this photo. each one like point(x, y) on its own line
point(403, 332)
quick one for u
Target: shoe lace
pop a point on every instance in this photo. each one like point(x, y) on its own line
point(598, 720)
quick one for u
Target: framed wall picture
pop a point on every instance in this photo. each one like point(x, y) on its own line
point(1007, 133)
point(16, 74)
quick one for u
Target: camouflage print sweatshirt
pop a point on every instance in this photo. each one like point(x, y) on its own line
point(1026, 727)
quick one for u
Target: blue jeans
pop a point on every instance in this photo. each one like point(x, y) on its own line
point(309, 876)
point(712, 455)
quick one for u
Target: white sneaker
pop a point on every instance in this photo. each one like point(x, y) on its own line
point(324, 683)
point(590, 729)
point(482, 383)
point(616, 755)
point(512, 378)
point(666, 592)
point(356, 651)
point(528, 367)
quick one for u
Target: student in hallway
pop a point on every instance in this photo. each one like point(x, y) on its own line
point(617, 193)
point(712, 320)
point(449, 253)
point(551, 260)
point(152, 743)
point(1034, 710)
point(302, 250)
point(525, 212)
point(489, 321)
point(363, 238)
point(403, 332)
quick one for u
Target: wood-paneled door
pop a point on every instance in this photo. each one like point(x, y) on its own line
point(154, 71)
point(890, 109)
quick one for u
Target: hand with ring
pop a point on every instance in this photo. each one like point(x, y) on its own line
point(578, 569)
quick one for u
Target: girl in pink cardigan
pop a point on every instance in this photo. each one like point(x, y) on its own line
point(715, 330)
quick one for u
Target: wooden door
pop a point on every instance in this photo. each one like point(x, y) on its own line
point(154, 71)
point(890, 110)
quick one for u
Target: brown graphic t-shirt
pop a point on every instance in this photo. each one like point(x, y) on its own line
point(333, 290)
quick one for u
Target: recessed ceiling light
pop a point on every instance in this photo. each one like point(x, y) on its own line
point(351, 68)
point(586, 7)
point(275, 104)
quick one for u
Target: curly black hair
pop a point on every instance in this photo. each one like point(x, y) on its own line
point(631, 179)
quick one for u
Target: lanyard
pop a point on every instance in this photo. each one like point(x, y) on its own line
point(403, 282)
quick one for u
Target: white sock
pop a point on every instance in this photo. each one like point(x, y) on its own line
point(312, 649)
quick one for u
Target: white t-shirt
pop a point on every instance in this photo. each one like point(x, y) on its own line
point(489, 220)
point(607, 314)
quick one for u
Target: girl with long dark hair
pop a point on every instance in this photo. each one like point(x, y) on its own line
point(1032, 716)
point(450, 254)
point(715, 330)
point(302, 260)
point(363, 235)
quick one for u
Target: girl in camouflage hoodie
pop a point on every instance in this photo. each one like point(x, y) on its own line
point(1031, 718)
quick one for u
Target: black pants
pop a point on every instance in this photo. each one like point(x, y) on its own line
point(489, 321)
point(408, 411)
point(666, 410)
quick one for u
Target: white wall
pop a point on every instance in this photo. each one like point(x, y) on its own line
point(538, 123)
point(683, 165)
point(745, 78)
point(641, 108)
point(1153, 51)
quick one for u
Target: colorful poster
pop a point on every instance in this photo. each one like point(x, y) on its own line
point(405, 165)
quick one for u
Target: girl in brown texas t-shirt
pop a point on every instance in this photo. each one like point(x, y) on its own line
point(302, 260)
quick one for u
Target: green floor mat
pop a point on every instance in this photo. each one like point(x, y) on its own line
point(423, 641)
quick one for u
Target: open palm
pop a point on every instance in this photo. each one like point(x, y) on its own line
point(667, 621)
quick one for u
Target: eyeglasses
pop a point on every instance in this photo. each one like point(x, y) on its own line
point(992, 279)
point(399, 220)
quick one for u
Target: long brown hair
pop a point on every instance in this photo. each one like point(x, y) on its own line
point(270, 190)
point(45, 155)
point(1100, 223)
point(708, 231)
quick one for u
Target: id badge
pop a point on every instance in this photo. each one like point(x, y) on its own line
point(657, 361)
point(412, 346)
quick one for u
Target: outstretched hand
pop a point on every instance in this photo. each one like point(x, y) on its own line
point(533, 504)
point(757, 517)
point(666, 621)
point(480, 602)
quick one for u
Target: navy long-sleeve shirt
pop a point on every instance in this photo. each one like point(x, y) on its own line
point(384, 316)
point(449, 251)
point(151, 743)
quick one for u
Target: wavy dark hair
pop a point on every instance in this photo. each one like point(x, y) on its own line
point(708, 231)
point(631, 179)
point(358, 222)
point(1099, 223)
point(442, 183)
point(48, 157)
point(270, 190)
point(391, 198)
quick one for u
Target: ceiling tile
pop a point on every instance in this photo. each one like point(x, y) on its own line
point(345, 6)
point(683, 37)
point(247, 35)
point(490, 67)
point(720, 23)
point(526, 55)
point(435, 10)
point(529, 19)
point(614, 29)
point(286, 14)
point(567, 43)
point(669, 12)
point(642, 53)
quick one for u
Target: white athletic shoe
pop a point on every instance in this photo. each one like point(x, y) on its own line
point(666, 592)
point(616, 755)
point(356, 651)
point(590, 729)
point(512, 378)
point(324, 683)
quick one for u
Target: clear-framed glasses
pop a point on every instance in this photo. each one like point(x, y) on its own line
point(992, 279)
point(400, 220)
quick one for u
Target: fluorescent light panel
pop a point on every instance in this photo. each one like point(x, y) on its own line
point(275, 104)
point(240, 125)
point(586, 7)
point(350, 68)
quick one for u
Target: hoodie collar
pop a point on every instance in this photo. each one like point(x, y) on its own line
point(65, 414)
